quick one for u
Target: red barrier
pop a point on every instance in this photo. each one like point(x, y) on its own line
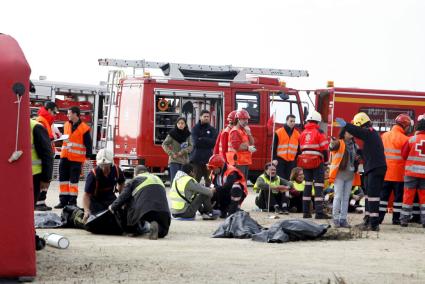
point(17, 246)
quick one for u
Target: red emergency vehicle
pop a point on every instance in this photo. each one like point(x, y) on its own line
point(382, 106)
point(146, 107)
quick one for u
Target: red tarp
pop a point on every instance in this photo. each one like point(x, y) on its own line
point(17, 246)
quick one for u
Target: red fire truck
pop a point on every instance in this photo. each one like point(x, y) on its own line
point(382, 106)
point(143, 109)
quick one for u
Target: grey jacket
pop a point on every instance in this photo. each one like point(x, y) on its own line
point(190, 190)
point(171, 147)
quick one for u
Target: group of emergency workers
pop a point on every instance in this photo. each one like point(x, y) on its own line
point(392, 163)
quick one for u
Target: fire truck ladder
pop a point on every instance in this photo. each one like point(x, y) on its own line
point(176, 70)
point(109, 107)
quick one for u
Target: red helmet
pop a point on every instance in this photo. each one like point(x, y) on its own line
point(232, 116)
point(403, 120)
point(216, 161)
point(242, 114)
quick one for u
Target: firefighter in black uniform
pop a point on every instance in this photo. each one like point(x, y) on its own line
point(375, 166)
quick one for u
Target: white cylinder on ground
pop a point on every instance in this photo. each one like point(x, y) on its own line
point(56, 241)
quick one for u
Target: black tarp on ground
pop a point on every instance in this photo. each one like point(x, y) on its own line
point(241, 225)
point(238, 225)
point(291, 230)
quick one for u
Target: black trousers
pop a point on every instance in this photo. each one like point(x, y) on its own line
point(297, 202)
point(202, 171)
point(284, 168)
point(374, 181)
point(162, 218)
point(36, 179)
point(228, 201)
point(280, 199)
point(69, 175)
point(314, 177)
point(387, 188)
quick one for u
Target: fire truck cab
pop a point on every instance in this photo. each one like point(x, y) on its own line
point(146, 107)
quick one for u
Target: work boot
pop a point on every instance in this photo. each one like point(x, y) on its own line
point(285, 211)
point(307, 215)
point(153, 232)
point(209, 216)
point(42, 207)
point(336, 223)
point(277, 209)
point(344, 224)
point(39, 243)
point(59, 206)
point(323, 216)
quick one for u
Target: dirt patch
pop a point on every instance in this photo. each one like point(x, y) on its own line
point(189, 255)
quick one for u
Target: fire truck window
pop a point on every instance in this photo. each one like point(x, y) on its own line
point(251, 103)
point(383, 118)
point(282, 109)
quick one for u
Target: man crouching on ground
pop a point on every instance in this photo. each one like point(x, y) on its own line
point(145, 205)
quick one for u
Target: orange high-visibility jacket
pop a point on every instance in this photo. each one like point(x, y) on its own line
point(236, 157)
point(287, 146)
point(393, 144)
point(73, 148)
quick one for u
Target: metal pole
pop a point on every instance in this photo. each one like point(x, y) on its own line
point(271, 154)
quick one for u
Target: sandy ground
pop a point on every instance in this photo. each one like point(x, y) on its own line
point(189, 255)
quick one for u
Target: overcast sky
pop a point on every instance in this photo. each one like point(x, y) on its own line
point(370, 44)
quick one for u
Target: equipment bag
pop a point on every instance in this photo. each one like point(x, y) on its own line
point(308, 161)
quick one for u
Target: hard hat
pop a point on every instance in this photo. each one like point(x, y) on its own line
point(242, 114)
point(104, 156)
point(232, 116)
point(216, 161)
point(360, 119)
point(403, 120)
point(314, 116)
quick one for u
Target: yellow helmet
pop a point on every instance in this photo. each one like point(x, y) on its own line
point(360, 119)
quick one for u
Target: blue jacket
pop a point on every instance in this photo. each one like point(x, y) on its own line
point(203, 138)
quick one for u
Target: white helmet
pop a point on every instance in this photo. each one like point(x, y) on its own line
point(104, 156)
point(315, 116)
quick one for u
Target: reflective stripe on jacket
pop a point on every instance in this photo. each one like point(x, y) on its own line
point(275, 182)
point(73, 148)
point(312, 139)
point(287, 146)
point(394, 141)
point(336, 158)
point(150, 180)
point(237, 157)
point(415, 163)
point(36, 161)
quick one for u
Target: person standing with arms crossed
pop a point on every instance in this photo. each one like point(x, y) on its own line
point(285, 147)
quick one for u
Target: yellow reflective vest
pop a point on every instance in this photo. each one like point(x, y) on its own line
point(177, 202)
point(36, 161)
point(273, 183)
point(150, 180)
